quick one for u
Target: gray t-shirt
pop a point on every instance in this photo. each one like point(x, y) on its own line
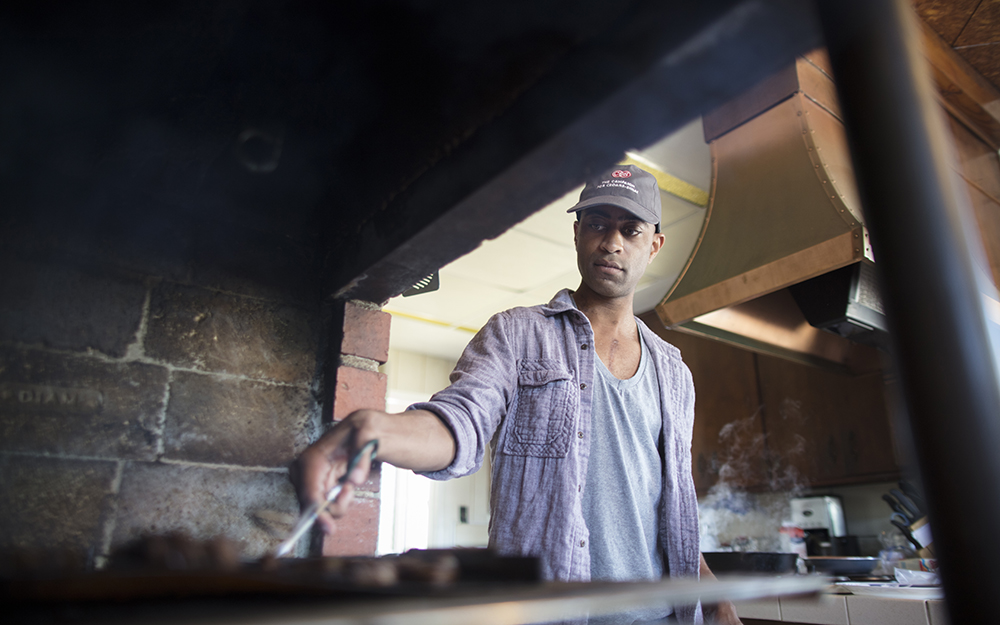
point(624, 479)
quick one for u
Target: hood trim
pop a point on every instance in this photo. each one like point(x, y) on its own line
point(783, 209)
point(809, 263)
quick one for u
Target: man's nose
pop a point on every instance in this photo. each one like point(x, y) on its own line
point(612, 241)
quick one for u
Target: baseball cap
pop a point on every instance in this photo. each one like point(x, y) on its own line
point(625, 186)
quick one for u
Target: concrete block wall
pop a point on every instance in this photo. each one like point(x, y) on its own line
point(137, 402)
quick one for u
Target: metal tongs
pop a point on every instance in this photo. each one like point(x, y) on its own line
point(310, 515)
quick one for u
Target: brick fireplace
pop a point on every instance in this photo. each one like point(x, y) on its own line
point(202, 206)
point(133, 403)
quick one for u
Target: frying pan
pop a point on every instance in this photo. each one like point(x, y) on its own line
point(841, 565)
point(750, 562)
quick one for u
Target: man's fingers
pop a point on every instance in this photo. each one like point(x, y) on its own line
point(326, 523)
point(318, 470)
point(343, 501)
point(338, 507)
point(316, 478)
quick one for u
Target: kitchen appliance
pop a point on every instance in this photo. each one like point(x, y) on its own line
point(822, 519)
point(847, 302)
point(784, 206)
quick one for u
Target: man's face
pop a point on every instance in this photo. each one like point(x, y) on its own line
point(613, 249)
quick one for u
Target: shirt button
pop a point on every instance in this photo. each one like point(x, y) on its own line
point(583, 386)
point(584, 346)
point(583, 543)
point(580, 434)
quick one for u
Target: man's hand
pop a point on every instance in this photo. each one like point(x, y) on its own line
point(723, 613)
point(317, 470)
point(416, 440)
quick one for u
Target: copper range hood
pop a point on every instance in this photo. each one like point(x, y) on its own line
point(783, 209)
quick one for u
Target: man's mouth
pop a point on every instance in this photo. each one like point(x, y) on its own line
point(608, 266)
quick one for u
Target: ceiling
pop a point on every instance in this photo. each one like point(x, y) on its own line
point(533, 260)
point(971, 28)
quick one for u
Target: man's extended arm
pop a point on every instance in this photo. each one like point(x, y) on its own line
point(467, 414)
point(416, 440)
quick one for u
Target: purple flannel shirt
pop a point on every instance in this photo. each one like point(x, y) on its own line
point(523, 386)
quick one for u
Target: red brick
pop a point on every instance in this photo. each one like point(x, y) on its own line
point(366, 333)
point(358, 389)
point(357, 531)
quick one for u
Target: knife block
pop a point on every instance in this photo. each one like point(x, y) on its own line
point(921, 530)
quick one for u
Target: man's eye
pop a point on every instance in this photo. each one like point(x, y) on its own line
point(632, 232)
point(596, 226)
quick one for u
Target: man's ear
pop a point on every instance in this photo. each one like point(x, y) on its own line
point(576, 230)
point(658, 240)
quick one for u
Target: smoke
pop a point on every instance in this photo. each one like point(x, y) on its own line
point(758, 477)
point(733, 519)
point(784, 459)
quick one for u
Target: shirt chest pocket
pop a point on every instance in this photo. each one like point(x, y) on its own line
point(543, 410)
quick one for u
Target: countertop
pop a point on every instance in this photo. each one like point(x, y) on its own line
point(833, 608)
point(502, 604)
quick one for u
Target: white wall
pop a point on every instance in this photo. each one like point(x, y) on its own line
point(866, 514)
point(416, 512)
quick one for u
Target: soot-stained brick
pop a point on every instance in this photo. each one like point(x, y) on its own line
point(239, 422)
point(69, 308)
point(54, 503)
point(192, 327)
point(202, 503)
point(79, 405)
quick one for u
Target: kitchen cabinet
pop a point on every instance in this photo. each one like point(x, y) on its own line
point(825, 427)
point(833, 609)
point(728, 425)
point(767, 423)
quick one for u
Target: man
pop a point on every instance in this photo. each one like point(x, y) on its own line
point(588, 415)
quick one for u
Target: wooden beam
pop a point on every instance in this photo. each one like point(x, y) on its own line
point(961, 89)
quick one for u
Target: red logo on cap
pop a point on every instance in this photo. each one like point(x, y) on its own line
point(622, 173)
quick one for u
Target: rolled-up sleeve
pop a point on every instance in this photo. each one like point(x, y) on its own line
point(482, 387)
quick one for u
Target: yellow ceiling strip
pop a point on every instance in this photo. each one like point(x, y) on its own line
point(671, 184)
point(443, 324)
